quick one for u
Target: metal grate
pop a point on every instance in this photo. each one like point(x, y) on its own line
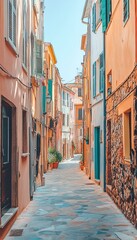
point(16, 232)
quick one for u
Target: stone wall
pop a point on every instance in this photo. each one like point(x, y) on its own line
point(123, 175)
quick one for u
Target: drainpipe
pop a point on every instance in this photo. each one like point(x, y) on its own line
point(104, 106)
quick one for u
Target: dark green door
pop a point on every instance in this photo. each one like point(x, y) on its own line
point(97, 152)
point(6, 157)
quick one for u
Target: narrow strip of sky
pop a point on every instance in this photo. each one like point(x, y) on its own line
point(63, 28)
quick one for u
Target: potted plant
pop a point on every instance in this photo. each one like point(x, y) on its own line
point(51, 157)
point(58, 159)
point(54, 157)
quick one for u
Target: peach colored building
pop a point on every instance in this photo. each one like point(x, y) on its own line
point(51, 75)
point(77, 88)
point(58, 110)
point(121, 106)
point(86, 105)
point(15, 108)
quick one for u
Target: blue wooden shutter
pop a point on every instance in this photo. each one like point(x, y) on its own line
point(125, 10)
point(43, 99)
point(94, 18)
point(50, 87)
point(101, 73)
point(94, 79)
point(108, 11)
point(104, 14)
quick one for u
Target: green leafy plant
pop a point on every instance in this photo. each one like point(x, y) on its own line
point(54, 155)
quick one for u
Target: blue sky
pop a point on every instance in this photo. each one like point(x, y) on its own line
point(63, 28)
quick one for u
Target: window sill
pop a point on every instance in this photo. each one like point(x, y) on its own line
point(23, 155)
point(11, 46)
point(8, 216)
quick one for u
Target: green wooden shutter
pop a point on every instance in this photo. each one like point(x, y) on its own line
point(108, 11)
point(12, 21)
point(101, 74)
point(50, 87)
point(94, 18)
point(104, 14)
point(94, 79)
point(39, 57)
point(43, 99)
point(125, 10)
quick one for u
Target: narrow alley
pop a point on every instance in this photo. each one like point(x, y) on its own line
point(69, 207)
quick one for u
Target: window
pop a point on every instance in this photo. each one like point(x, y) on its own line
point(12, 22)
point(81, 131)
point(125, 10)
point(24, 44)
point(63, 119)
point(101, 74)
point(127, 134)
point(109, 83)
point(39, 57)
point(98, 18)
point(64, 98)
point(68, 99)
point(67, 120)
point(80, 114)
point(109, 10)
point(94, 79)
point(71, 104)
point(94, 18)
point(79, 92)
point(24, 131)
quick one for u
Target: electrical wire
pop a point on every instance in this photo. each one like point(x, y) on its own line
point(10, 75)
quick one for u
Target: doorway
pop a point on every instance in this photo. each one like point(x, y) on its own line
point(97, 152)
point(6, 126)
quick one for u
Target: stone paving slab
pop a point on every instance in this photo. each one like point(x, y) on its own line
point(71, 207)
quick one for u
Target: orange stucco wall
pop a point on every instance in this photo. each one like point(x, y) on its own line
point(120, 44)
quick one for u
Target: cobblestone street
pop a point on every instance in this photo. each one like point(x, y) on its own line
point(69, 207)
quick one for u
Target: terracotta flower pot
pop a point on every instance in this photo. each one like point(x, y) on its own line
point(50, 166)
point(55, 165)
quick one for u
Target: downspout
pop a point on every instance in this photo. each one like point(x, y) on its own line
point(104, 106)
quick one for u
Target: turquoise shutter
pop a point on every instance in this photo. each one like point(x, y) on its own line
point(104, 14)
point(108, 10)
point(94, 18)
point(94, 79)
point(101, 73)
point(50, 87)
point(43, 99)
point(101, 9)
point(39, 57)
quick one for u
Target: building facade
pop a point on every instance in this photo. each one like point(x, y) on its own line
point(76, 108)
point(15, 107)
point(67, 122)
point(121, 102)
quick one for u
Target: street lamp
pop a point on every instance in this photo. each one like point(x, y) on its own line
point(48, 98)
